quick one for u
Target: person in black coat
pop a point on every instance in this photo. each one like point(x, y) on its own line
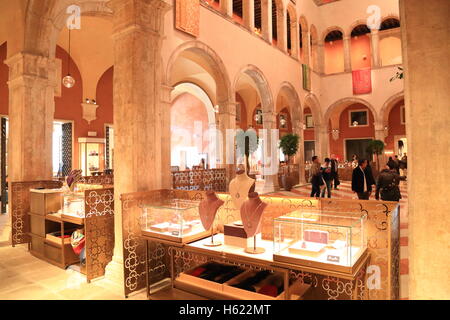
point(334, 172)
point(315, 177)
point(361, 182)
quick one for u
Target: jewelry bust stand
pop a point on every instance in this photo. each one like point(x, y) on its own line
point(251, 215)
point(208, 209)
point(239, 188)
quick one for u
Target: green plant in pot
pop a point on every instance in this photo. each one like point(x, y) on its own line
point(289, 146)
point(376, 147)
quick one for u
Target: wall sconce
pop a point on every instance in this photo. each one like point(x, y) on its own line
point(335, 134)
point(91, 101)
point(258, 117)
point(216, 108)
point(355, 123)
point(282, 122)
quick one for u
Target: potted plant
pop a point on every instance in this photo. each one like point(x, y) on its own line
point(376, 147)
point(289, 146)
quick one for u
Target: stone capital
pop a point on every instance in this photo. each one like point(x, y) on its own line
point(138, 15)
point(30, 67)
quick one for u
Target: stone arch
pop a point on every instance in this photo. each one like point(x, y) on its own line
point(262, 85)
point(343, 103)
point(303, 22)
point(388, 105)
point(213, 64)
point(313, 103)
point(295, 109)
point(45, 19)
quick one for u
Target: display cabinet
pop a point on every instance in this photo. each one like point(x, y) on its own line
point(174, 220)
point(320, 239)
point(92, 155)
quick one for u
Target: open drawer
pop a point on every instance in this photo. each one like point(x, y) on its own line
point(192, 281)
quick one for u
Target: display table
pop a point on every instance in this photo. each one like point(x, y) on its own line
point(300, 282)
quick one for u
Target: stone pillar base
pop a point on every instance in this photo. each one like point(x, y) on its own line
point(115, 274)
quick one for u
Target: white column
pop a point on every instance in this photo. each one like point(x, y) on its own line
point(270, 152)
point(248, 8)
point(266, 20)
point(347, 54)
point(281, 29)
point(226, 7)
point(375, 44)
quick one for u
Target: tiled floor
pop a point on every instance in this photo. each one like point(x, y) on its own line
point(345, 192)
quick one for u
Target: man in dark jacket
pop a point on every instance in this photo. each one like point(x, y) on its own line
point(334, 172)
point(388, 184)
point(361, 184)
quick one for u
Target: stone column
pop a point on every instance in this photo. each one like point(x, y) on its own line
point(227, 126)
point(322, 141)
point(281, 29)
point(140, 119)
point(266, 20)
point(347, 54)
point(297, 128)
point(380, 134)
point(306, 47)
point(375, 44)
point(248, 8)
point(226, 7)
point(166, 104)
point(270, 152)
point(425, 40)
point(31, 111)
point(319, 59)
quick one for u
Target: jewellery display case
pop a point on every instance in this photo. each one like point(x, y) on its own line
point(92, 155)
point(324, 240)
point(175, 220)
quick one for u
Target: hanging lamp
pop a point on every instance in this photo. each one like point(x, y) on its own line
point(68, 81)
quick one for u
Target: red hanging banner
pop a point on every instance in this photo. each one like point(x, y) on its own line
point(362, 81)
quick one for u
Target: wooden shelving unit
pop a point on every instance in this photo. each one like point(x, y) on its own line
point(43, 222)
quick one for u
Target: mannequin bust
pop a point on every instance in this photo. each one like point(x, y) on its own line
point(251, 214)
point(240, 187)
point(208, 209)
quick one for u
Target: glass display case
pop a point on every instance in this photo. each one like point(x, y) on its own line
point(327, 240)
point(175, 220)
point(92, 155)
point(73, 205)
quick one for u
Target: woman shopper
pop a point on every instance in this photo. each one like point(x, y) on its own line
point(315, 177)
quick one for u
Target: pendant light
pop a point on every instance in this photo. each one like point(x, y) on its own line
point(68, 81)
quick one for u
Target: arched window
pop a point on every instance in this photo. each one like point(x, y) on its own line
point(289, 32)
point(390, 42)
point(334, 52)
point(237, 11)
point(360, 47)
point(258, 24)
point(390, 23)
point(274, 22)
